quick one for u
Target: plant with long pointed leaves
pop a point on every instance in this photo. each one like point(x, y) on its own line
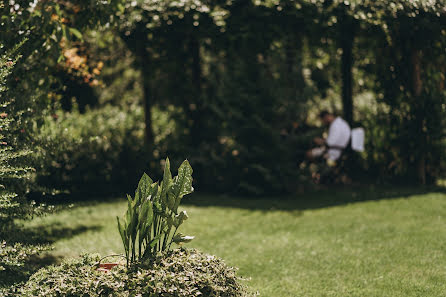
point(152, 219)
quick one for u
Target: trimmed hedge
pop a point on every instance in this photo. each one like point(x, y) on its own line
point(178, 273)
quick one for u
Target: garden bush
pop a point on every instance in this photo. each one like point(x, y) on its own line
point(15, 181)
point(99, 151)
point(95, 151)
point(174, 273)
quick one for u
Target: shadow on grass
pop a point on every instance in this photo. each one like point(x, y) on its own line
point(324, 196)
point(314, 199)
point(13, 277)
point(48, 234)
point(42, 235)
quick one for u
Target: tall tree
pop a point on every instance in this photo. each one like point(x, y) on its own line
point(347, 27)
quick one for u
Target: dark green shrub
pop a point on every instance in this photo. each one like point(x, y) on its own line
point(175, 273)
point(97, 150)
point(15, 179)
point(15, 261)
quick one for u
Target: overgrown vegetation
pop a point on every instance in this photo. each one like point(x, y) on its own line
point(178, 273)
point(243, 104)
point(246, 100)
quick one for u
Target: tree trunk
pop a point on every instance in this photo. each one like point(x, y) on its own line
point(147, 96)
point(149, 135)
point(293, 59)
point(136, 42)
point(347, 36)
point(417, 85)
point(198, 111)
point(196, 64)
point(289, 60)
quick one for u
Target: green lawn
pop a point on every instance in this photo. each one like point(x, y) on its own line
point(329, 243)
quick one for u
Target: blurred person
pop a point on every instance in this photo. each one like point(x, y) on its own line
point(337, 141)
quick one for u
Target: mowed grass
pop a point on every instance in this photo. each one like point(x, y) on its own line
point(332, 243)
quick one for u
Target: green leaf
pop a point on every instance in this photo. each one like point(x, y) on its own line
point(157, 198)
point(64, 31)
point(180, 218)
point(167, 181)
point(157, 207)
point(128, 214)
point(121, 231)
point(144, 186)
point(145, 231)
point(76, 33)
point(146, 213)
point(153, 191)
point(171, 201)
point(155, 240)
point(180, 238)
point(129, 199)
point(182, 184)
point(135, 223)
point(170, 222)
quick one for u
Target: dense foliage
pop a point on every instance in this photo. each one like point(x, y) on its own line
point(13, 168)
point(31, 36)
point(13, 175)
point(244, 72)
point(241, 81)
point(178, 273)
point(100, 151)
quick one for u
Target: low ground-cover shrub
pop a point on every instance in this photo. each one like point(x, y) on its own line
point(178, 273)
point(15, 261)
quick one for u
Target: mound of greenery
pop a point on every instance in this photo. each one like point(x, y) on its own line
point(174, 273)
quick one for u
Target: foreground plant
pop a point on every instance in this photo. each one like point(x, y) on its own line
point(175, 273)
point(152, 220)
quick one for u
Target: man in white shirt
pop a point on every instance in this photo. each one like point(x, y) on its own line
point(338, 138)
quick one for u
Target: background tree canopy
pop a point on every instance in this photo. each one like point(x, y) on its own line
point(107, 89)
point(246, 78)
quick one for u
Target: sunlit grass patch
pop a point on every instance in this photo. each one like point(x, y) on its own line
point(388, 247)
